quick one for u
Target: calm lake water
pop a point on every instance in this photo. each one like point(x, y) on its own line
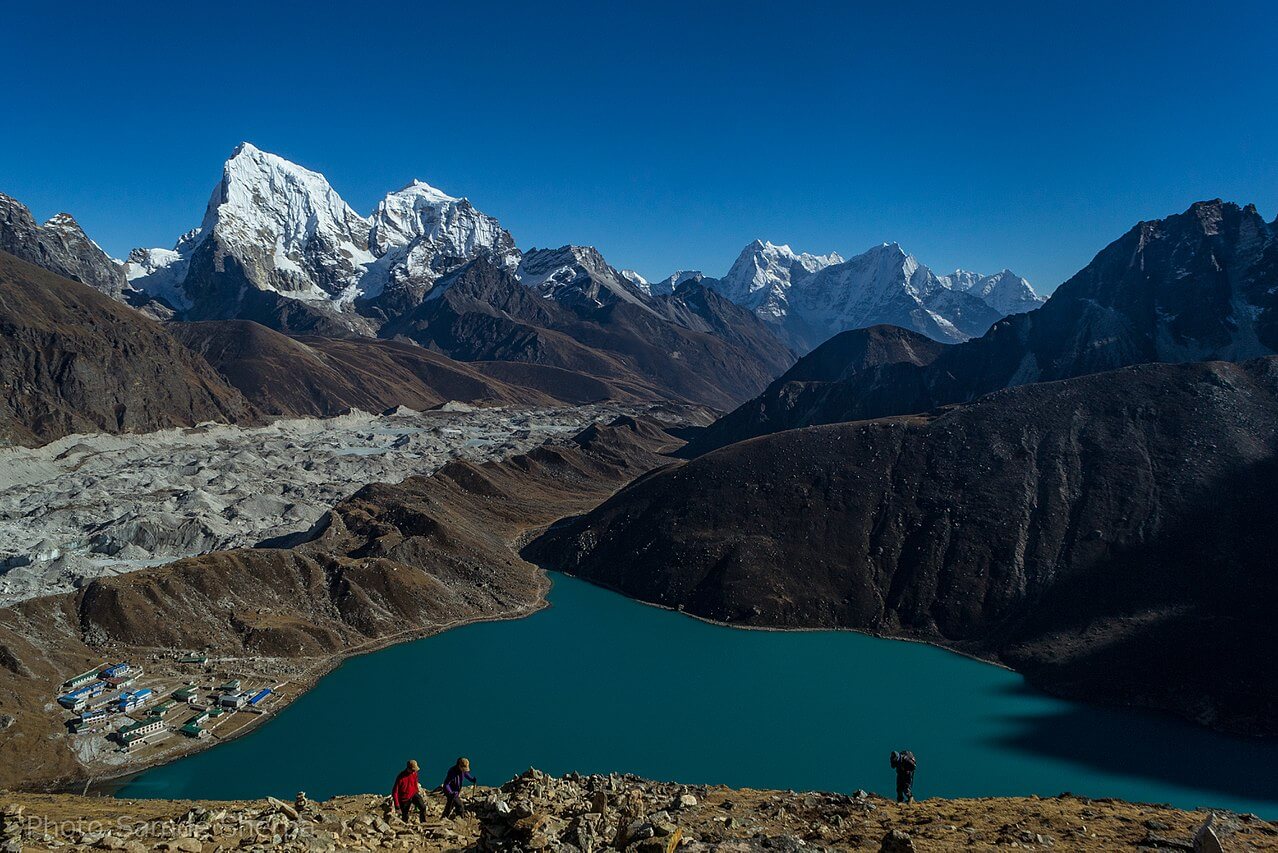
point(599, 683)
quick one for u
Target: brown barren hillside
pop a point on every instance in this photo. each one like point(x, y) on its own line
point(315, 376)
point(74, 360)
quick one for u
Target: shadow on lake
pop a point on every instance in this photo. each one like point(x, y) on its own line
point(1142, 744)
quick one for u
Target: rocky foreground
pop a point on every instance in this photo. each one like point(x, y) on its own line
point(536, 811)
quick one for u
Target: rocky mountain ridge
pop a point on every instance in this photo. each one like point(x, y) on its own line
point(688, 346)
point(60, 246)
point(74, 360)
point(1195, 286)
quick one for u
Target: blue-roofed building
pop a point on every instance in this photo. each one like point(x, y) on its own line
point(78, 698)
point(115, 670)
point(136, 699)
point(259, 695)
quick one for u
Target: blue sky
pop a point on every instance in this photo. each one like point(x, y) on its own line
point(982, 135)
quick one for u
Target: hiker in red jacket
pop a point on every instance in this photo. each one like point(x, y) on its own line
point(407, 793)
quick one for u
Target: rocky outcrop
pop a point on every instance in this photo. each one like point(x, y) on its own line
point(1104, 535)
point(60, 246)
point(74, 360)
point(536, 811)
point(1196, 286)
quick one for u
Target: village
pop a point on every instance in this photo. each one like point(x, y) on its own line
point(124, 708)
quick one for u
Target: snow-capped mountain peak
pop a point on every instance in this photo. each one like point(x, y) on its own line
point(1003, 291)
point(670, 283)
point(577, 275)
point(763, 274)
point(287, 225)
point(452, 225)
point(814, 296)
point(293, 234)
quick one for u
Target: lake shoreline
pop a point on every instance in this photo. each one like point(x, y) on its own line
point(585, 684)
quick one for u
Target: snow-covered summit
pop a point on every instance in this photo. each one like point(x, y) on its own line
point(577, 275)
point(288, 225)
point(637, 280)
point(1003, 291)
point(763, 274)
point(293, 234)
point(422, 212)
point(812, 297)
point(667, 285)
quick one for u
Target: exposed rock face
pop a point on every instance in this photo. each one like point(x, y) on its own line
point(482, 312)
point(391, 561)
point(577, 276)
point(60, 246)
point(1104, 535)
point(1197, 286)
point(75, 360)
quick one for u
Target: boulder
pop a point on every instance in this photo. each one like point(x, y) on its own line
point(283, 808)
point(896, 841)
point(1205, 839)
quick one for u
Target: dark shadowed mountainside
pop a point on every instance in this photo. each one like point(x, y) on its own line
point(724, 355)
point(1196, 286)
point(74, 360)
point(1105, 535)
point(822, 381)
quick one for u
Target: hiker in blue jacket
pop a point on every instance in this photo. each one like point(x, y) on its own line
point(458, 775)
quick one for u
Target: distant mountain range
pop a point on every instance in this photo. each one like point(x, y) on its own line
point(291, 235)
point(811, 297)
point(1198, 286)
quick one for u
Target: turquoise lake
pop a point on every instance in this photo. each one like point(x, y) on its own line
point(598, 683)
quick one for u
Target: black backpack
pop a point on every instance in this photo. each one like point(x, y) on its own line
point(903, 760)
